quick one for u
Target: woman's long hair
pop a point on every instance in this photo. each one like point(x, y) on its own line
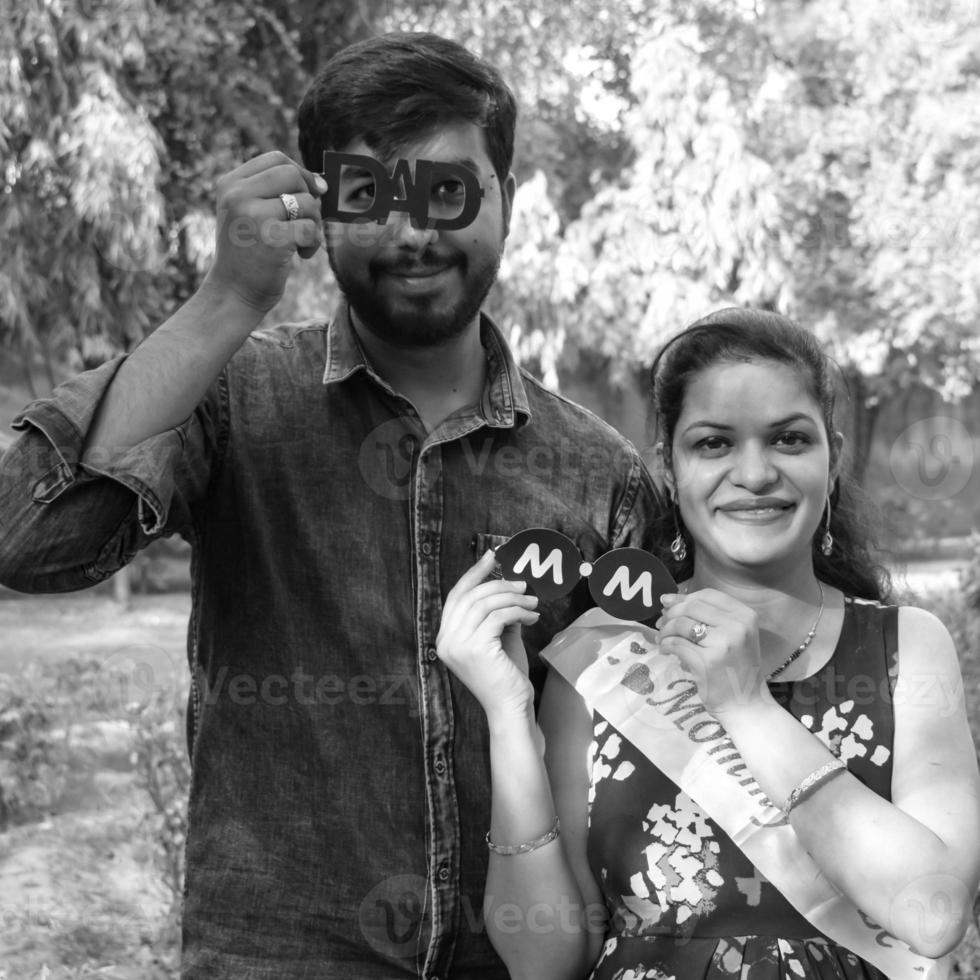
point(739, 335)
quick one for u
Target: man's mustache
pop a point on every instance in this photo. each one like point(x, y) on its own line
point(426, 264)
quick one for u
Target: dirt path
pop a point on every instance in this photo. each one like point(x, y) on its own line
point(80, 895)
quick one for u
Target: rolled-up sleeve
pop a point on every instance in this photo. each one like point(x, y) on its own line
point(67, 524)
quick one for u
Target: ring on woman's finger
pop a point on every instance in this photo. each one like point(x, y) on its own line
point(291, 205)
point(698, 632)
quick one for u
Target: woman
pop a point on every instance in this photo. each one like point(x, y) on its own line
point(839, 719)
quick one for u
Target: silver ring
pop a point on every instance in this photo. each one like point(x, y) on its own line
point(698, 632)
point(291, 205)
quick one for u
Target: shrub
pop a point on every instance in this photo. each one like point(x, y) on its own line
point(163, 771)
point(970, 577)
point(35, 763)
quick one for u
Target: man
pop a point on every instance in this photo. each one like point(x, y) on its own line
point(335, 479)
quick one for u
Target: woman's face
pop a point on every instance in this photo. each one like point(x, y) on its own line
point(750, 465)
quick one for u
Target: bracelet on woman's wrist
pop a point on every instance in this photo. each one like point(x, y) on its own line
point(531, 845)
point(813, 782)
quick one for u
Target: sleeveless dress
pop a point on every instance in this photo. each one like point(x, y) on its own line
point(684, 902)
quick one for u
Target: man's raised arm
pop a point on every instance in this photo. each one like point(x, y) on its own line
point(165, 378)
point(119, 455)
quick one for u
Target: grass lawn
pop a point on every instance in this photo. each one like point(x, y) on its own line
point(91, 733)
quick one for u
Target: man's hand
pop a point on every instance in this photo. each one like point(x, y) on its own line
point(255, 240)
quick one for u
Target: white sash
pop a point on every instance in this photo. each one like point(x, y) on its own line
point(652, 700)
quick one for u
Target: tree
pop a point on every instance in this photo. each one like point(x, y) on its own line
point(812, 158)
point(792, 156)
point(117, 118)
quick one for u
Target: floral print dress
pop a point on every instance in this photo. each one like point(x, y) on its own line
point(684, 902)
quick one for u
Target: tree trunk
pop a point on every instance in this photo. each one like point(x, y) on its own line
point(25, 360)
point(48, 366)
point(122, 589)
point(864, 417)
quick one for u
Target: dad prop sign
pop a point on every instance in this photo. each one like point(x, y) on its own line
point(437, 195)
point(626, 582)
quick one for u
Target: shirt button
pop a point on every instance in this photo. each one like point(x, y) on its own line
point(440, 767)
point(444, 872)
point(426, 548)
point(430, 653)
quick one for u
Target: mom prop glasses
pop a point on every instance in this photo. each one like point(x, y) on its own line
point(626, 582)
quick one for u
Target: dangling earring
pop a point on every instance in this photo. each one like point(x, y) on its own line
point(827, 540)
point(678, 547)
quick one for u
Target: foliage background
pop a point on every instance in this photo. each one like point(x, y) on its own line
point(820, 159)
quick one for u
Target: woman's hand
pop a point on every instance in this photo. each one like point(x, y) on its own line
point(725, 661)
point(480, 639)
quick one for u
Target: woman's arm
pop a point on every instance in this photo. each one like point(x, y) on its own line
point(912, 864)
point(535, 912)
point(566, 723)
point(533, 906)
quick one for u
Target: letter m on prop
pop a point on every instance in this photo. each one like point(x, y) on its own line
point(532, 557)
point(621, 581)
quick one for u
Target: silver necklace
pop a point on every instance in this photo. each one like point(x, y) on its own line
point(807, 640)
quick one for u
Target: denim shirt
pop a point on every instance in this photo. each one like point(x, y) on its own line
point(340, 791)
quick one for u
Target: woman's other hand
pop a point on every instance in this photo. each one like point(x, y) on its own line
point(716, 638)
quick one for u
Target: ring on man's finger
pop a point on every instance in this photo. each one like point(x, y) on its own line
point(698, 632)
point(291, 205)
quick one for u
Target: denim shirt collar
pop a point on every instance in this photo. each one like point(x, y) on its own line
point(504, 404)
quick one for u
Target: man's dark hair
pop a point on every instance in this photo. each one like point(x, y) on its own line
point(393, 89)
